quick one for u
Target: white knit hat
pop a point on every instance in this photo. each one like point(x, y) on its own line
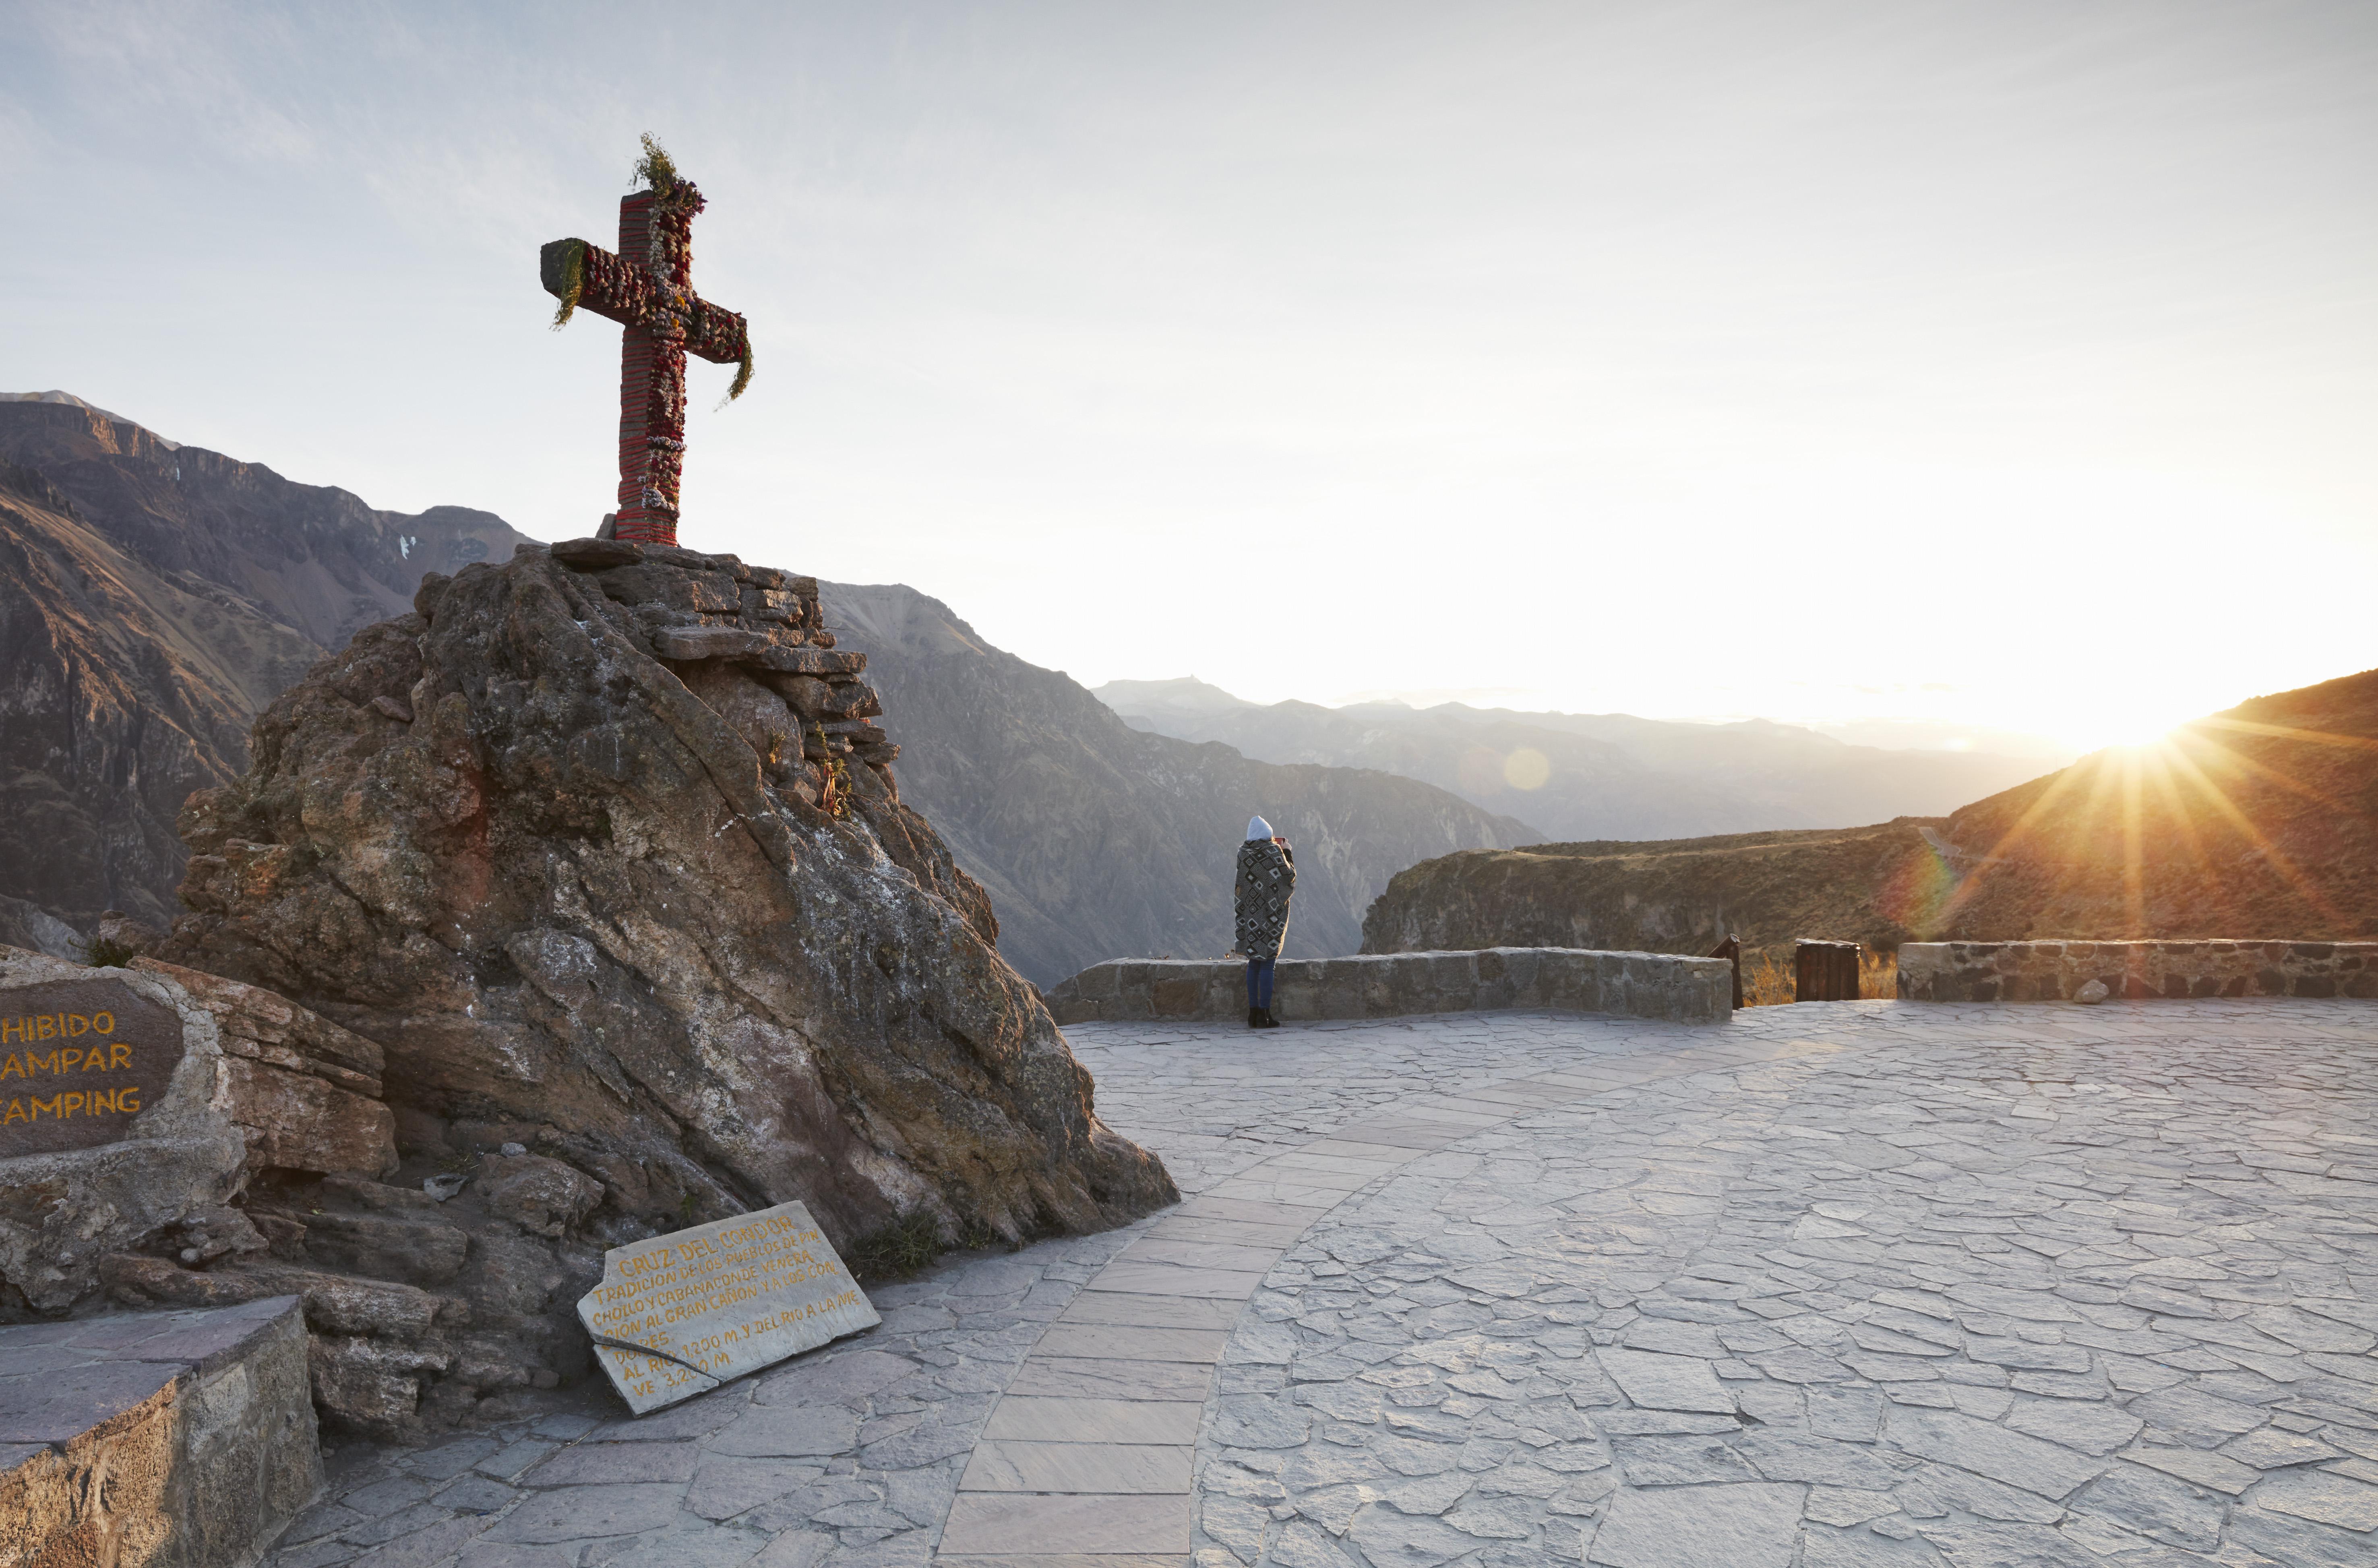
point(1258, 828)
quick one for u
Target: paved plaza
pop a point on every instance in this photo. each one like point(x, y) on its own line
point(1828, 1286)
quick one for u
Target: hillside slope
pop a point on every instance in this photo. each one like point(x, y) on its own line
point(1098, 841)
point(325, 563)
point(2259, 821)
point(123, 687)
point(1588, 776)
point(1870, 884)
point(153, 598)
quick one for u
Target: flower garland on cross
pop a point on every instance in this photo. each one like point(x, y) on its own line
point(647, 287)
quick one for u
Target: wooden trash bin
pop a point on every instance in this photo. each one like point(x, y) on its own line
point(1731, 950)
point(1825, 972)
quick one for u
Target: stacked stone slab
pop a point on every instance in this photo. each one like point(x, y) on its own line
point(2053, 971)
point(1653, 986)
point(693, 608)
point(173, 1440)
point(303, 1094)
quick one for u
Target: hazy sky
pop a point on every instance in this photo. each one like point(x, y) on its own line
point(1999, 365)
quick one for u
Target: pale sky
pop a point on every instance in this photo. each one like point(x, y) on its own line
point(1999, 366)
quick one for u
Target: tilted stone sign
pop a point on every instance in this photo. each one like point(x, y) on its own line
point(79, 1060)
point(683, 1312)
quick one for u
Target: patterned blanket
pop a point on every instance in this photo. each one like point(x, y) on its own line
point(1267, 879)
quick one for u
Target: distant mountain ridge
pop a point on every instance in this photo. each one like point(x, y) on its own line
point(1589, 775)
point(1099, 841)
point(323, 562)
point(153, 598)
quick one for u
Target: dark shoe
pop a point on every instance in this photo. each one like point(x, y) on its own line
point(1255, 1017)
point(1263, 1019)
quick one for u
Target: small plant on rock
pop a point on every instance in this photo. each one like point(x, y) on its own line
point(897, 1250)
point(103, 952)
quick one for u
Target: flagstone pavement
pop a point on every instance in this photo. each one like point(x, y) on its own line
point(1832, 1285)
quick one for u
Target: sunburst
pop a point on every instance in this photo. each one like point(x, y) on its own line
point(2166, 787)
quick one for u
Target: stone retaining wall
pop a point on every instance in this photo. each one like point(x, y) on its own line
point(171, 1439)
point(1653, 986)
point(2051, 972)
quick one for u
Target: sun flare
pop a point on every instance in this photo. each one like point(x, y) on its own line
point(2130, 727)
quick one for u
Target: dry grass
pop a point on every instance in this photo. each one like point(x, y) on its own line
point(1765, 979)
point(1767, 976)
point(655, 168)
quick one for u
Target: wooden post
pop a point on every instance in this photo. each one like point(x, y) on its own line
point(1731, 950)
point(1825, 972)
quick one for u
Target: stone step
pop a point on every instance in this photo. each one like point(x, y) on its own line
point(196, 1428)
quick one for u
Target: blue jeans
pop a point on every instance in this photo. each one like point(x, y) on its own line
point(1259, 982)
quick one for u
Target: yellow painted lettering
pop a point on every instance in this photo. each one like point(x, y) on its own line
point(11, 1029)
point(95, 1059)
point(103, 1100)
point(73, 1102)
point(47, 1063)
point(103, 1022)
point(16, 1112)
point(118, 1056)
point(128, 1099)
point(12, 1066)
point(46, 1025)
point(50, 1104)
point(76, 1024)
point(68, 1057)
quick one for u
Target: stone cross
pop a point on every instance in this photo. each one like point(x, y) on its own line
point(648, 289)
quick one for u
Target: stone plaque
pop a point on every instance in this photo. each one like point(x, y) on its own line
point(79, 1060)
point(683, 1312)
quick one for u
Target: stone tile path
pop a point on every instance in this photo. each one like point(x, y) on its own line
point(1832, 1284)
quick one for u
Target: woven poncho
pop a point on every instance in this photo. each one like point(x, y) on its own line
point(1266, 877)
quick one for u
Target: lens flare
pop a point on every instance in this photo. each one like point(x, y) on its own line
point(1526, 769)
point(1914, 893)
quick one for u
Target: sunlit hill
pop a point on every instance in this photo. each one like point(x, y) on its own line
point(2258, 821)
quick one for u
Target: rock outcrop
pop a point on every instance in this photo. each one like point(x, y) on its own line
point(252, 1177)
point(1877, 886)
point(303, 1094)
point(602, 851)
point(68, 1205)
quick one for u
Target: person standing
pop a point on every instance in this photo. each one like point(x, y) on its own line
point(1267, 879)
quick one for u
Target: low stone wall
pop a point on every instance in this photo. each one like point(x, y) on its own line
point(173, 1440)
point(1651, 985)
point(2052, 972)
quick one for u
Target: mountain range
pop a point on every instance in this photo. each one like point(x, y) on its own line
point(1589, 775)
point(153, 598)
